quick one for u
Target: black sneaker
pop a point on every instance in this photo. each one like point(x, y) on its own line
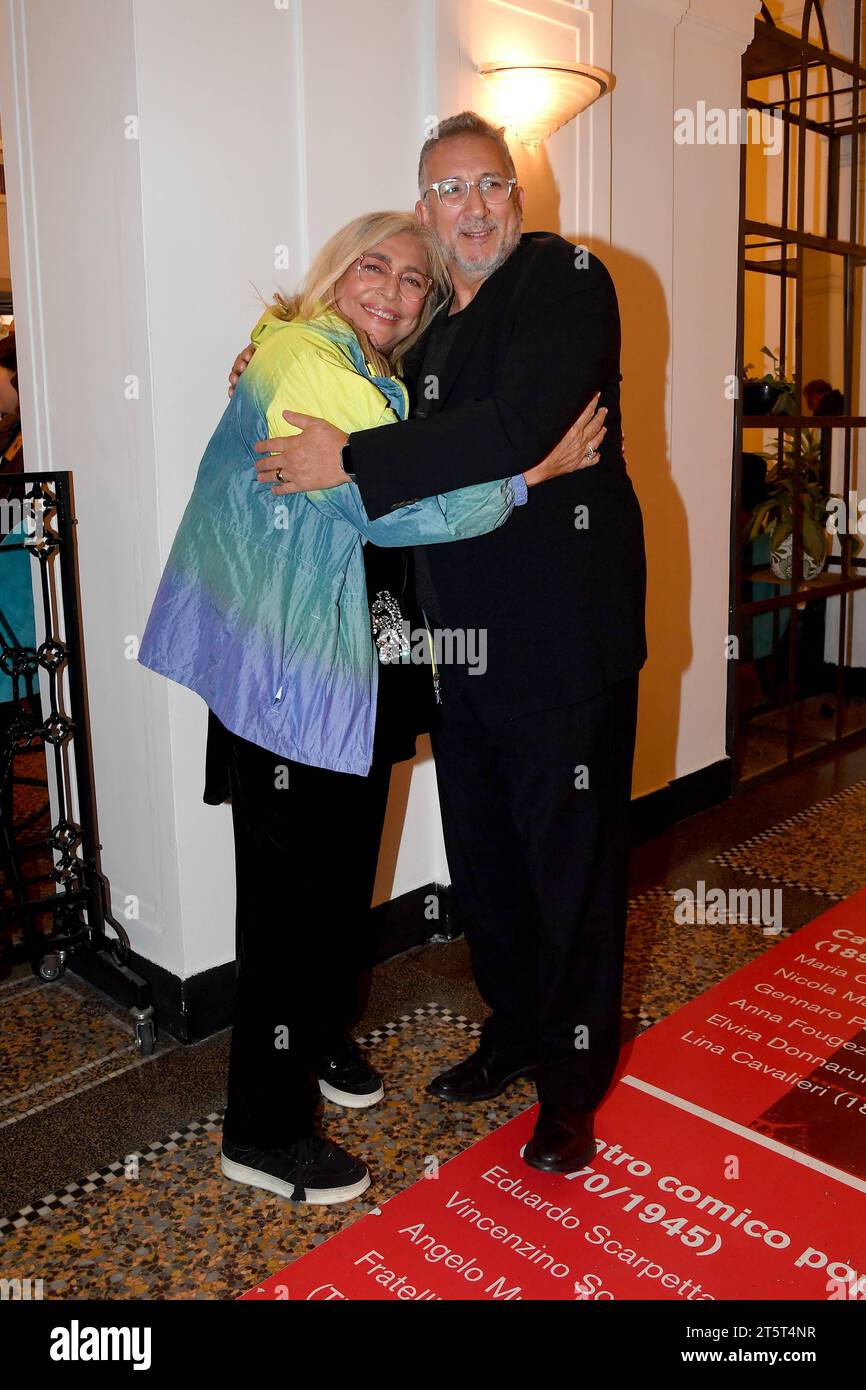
point(347, 1078)
point(311, 1170)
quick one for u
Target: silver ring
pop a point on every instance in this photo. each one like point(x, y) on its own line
point(279, 475)
point(590, 452)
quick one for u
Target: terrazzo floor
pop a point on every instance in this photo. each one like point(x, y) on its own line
point(765, 736)
point(150, 1215)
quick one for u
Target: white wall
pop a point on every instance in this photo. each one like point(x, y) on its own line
point(263, 125)
point(143, 257)
point(78, 266)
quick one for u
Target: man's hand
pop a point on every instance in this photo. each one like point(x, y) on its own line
point(240, 365)
point(305, 461)
point(570, 453)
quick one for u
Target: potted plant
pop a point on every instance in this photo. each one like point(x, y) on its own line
point(772, 394)
point(775, 514)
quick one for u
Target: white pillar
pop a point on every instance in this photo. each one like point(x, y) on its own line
point(137, 251)
point(674, 258)
point(710, 42)
point(641, 261)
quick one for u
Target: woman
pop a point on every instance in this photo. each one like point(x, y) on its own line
point(263, 610)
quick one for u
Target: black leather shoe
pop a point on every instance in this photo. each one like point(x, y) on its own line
point(482, 1076)
point(562, 1140)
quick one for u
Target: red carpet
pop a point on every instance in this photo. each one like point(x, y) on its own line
point(731, 1164)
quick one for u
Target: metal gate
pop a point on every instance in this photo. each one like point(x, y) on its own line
point(54, 899)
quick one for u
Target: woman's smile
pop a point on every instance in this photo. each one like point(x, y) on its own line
point(380, 312)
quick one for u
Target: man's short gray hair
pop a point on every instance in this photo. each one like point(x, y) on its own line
point(465, 123)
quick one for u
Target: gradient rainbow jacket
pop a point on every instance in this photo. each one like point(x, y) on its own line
point(262, 607)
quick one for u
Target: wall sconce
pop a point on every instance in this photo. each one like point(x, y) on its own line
point(534, 99)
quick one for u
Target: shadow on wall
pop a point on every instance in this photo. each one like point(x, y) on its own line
point(645, 355)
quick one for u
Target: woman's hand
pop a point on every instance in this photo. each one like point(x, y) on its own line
point(240, 365)
point(570, 453)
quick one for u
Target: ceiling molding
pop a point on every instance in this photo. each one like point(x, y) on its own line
point(670, 10)
point(727, 22)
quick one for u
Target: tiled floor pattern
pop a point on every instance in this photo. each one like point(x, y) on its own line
point(819, 850)
point(153, 1213)
point(57, 1040)
point(166, 1224)
point(669, 964)
point(765, 736)
point(163, 1223)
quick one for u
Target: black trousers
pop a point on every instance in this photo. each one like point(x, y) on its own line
point(305, 858)
point(535, 817)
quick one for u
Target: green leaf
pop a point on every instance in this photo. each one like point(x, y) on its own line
point(781, 533)
point(814, 540)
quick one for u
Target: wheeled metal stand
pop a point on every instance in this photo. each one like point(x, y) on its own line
point(56, 874)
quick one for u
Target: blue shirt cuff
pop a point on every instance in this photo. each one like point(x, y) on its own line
point(520, 490)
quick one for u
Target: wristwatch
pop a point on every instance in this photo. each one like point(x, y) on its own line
point(346, 462)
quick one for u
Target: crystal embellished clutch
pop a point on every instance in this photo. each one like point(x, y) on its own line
point(389, 628)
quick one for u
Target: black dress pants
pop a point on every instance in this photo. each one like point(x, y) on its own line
point(305, 857)
point(535, 817)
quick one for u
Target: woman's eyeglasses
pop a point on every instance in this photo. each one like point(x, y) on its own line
point(413, 285)
point(454, 192)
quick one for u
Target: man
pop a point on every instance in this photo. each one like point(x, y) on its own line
point(822, 398)
point(533, 756)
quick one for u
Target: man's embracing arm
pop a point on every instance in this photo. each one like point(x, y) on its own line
point(565, 347)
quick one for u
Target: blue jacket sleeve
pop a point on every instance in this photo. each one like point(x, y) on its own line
point(450, 516)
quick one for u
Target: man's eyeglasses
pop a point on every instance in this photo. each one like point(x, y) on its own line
point(454, 192)
point(413, 285)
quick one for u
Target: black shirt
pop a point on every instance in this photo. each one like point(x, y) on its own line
point(439, 344)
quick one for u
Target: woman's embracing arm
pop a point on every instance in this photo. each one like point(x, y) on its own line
point(317, 380)
point(451, 516)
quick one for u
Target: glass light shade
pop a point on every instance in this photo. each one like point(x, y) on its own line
point(534, 99)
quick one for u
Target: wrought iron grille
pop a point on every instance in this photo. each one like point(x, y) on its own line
point(806, 689)
point(55, 899)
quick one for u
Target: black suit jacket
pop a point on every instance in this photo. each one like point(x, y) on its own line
point(559, 589)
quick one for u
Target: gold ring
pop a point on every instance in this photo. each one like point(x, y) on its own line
point(279, 475)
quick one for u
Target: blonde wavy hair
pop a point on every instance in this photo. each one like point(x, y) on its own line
point(338, 254)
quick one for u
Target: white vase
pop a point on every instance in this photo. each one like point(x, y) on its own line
point(782, 561)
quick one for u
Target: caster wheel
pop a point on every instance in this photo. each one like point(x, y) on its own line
point(145, 1037)
point(51, 967)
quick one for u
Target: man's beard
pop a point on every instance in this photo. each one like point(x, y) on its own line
point(482, 269)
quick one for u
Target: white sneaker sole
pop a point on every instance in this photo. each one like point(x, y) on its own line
point(315, 1196)
point(349, 1099)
